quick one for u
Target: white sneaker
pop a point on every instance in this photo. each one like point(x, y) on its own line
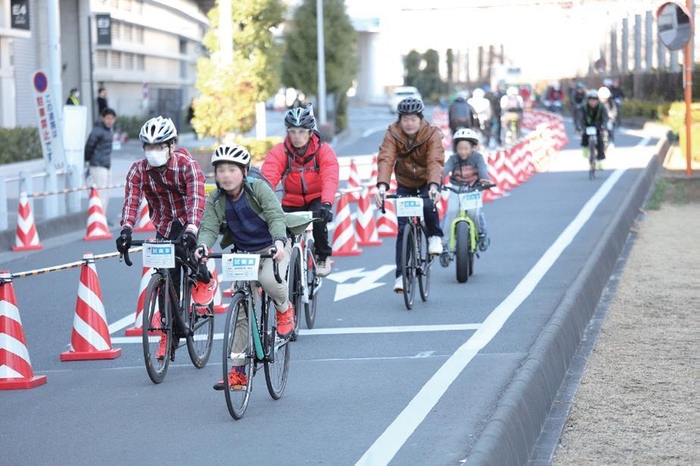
point(398, 285)
point(323, 268)
point(435, 245)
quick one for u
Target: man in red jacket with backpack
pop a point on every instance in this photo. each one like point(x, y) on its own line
point(308, 170)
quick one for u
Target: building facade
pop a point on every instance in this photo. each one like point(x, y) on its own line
point(148, 67)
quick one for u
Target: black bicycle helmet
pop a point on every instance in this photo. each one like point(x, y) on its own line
point(410, 106)
point(300, 117)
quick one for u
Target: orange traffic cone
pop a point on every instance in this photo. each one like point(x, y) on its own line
point(219, 306)
point(388, 222)
point(372, 183)
point(144, 224)
point(97, 223)
point(26, 238)
point(90, 338)
point(365, 227)
point(15, 367)
point(136, 330)
point(344, 243)
point(354, 182)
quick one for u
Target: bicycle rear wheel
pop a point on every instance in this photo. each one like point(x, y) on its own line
point(294, 288)
point(238, 356)
point(157, 324)
point(201, 332)
point(311, 286)
point(276, 353)
point(424, 260)
point(591, 158)
point(408, 261)
point(462, 251)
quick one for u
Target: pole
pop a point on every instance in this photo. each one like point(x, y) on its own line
point(688, 99)
point(321, 64)
point(53, 33)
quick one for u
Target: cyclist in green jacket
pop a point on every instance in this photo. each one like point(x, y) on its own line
point(251, 218)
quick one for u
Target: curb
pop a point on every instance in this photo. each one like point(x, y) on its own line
point(511, 434)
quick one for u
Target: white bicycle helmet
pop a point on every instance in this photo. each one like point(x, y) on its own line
point(466, 134)
point(232, 153)
point(592, 94)
point(157, 131)
point(604, 93)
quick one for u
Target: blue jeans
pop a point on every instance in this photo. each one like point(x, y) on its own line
point(430, 216)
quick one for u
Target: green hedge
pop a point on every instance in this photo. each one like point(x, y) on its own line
point(131, 124)
point(19, 144)
point(257, 148)
point(645, 109)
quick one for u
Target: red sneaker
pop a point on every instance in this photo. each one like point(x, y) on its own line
point(236, 380)
point(160, 354)
point(285, 321)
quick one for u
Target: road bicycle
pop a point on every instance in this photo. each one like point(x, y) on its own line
point(302, 280)
point(415, 259)
point(592, 133)
point(165, 312)
point(462, 246)
point(250, 335)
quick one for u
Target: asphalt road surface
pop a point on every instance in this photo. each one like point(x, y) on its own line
point(372, 384)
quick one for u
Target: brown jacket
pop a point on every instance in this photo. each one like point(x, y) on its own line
point(415, 166)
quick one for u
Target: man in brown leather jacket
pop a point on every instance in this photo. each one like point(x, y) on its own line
point(412, 149)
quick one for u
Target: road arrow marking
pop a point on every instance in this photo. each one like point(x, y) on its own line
point(368, 281)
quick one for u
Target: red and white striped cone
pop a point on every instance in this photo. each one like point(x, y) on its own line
point(90, 337)
point(344, 242)
point(15, 367)
point(219, 306)
point(136, 330)
point(364, 224)
point(97, 228)
point(372, 183)
point(442, 204)
point(388, 222)
point(353, 182)
point(509, 180)
point(144, 224)
point(26, 239)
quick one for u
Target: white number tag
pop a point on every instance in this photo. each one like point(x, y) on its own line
point(470, 201)
point(591, 130)
point(243, 267)
point(409, 207)
point(161, 256)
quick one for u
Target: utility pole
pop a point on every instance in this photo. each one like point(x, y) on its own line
point(54, 38)
point(322, 116)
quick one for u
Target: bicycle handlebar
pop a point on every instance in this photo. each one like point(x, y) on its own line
point(275, 265)
point(469, 188)
point(139, 242)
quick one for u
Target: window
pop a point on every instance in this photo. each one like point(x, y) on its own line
point(140, 62)
point(116, 30)
point(115, 61)
point(128, 61)
point(138, 34)
point(127, 33)
point(101, 59)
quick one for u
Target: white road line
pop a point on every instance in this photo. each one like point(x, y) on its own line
point(348, 331)
point(122, 323)
point(392, 439)
point(376, 129)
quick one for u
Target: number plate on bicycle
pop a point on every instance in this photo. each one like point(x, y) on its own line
point(409, 207)
point(243, 267)
point(161, 256)
point(470, 201)
point(591, 130)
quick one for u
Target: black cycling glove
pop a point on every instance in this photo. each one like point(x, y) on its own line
point(124, 240)
point(189, 240)
point(325, 212)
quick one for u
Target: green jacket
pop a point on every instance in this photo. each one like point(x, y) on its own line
point(262, 200)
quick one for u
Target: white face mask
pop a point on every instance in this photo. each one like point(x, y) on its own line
point(157, 158)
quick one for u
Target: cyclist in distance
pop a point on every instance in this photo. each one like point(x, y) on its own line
point(412, 149)
point(512, 105)
point(613, 113)
point(594, 114)
point(172, 183)
point(251, 218)
point(466, 167)
point(308, 170)
point(578, 100)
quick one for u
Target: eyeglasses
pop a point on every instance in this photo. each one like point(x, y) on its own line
point(297, 131)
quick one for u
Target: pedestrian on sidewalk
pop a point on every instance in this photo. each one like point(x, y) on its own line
point(98, 155)
point(101, 100)
point(73, 97)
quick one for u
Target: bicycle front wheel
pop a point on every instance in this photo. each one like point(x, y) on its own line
point(462, 251)
point(311, 286)
point(201, 333)
point(424, 262)
point(408, 261)
point(157, 329)
point(238, 356)
point(592, 154)
point(276, 354)
point(294, 288)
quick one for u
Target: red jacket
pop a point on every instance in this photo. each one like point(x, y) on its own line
point(303, 183)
